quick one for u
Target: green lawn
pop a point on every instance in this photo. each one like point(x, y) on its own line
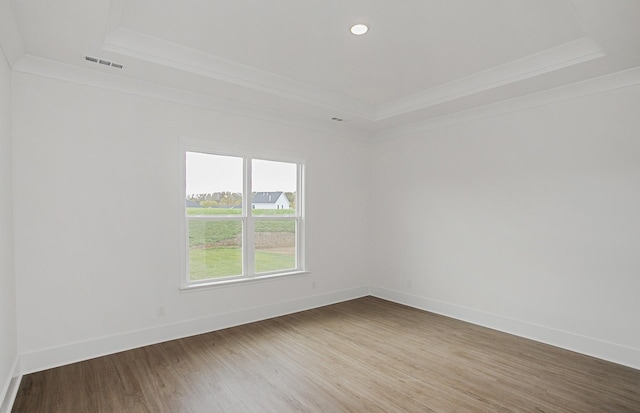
point(215, 249)
point(224, 262)
point(210, 232)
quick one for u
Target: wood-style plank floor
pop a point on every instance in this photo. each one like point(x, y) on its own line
point(365, 355)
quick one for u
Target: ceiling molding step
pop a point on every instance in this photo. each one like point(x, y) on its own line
point(10, 38)
point(116, 8)
point(622, 79)
point(70, 73)
point(568, 54)
point(141, 46)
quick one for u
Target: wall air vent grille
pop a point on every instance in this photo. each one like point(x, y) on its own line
point(103, 62)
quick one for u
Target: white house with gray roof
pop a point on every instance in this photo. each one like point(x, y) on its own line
point(270, 200)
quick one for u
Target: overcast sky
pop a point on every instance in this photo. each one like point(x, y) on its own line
point(213, 173)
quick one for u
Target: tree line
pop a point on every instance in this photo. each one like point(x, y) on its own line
point(228, 199)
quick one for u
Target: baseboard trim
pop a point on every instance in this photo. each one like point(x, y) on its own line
point(615, 353)
point(85, 350)
point(11, 388)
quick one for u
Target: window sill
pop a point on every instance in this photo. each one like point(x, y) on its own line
point(239, 281)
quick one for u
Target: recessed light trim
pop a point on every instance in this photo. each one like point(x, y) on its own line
point(359, 29)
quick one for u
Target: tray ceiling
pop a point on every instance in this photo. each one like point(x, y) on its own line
point(420, 58)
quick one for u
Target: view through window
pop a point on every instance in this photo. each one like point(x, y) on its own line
point(232, 235)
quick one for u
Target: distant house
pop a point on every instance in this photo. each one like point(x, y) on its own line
point(191, 204)
point(270, 200)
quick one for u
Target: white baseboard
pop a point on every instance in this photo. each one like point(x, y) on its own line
point(79, 351)
point(615, 353)
point(10, 390)
point(74, 352)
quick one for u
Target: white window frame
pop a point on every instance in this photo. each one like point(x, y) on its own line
point(247, 218)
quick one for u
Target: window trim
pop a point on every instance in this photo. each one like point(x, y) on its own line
point(247, 218)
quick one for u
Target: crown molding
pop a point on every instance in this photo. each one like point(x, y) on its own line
point(141, 46)
point(618, 80)
point(144, 47)
point(568, 54)
point(61, 71)
point(71, 73)
point(138, 45)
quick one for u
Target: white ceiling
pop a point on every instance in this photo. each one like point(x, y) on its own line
point(420, 59)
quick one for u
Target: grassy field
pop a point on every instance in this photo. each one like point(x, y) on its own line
point(215, 246)
point(224, 262)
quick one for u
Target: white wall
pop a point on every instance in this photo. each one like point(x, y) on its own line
point(8, 329)
point(527, 222)
point(97, 178)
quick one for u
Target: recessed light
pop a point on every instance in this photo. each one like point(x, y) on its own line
point(359, 29)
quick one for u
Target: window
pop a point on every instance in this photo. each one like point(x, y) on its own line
point(243, 218)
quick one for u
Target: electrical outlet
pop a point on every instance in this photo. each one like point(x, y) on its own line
point(162, 311)
point(409, 283)
point(313, 285)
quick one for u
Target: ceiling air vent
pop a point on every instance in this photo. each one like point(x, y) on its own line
point(103, 62)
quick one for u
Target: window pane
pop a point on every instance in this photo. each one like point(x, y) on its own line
point(215, 249)
point(275, 245)
point(274, 186)
point(213, 184)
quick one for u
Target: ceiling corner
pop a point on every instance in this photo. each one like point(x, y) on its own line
point(10, 38)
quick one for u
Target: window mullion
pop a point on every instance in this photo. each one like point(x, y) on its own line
point(248, 242)
point(300, 226)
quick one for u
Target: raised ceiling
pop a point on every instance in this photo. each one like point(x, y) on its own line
point(421, 59)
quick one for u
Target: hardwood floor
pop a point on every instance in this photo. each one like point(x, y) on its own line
point(365, 355)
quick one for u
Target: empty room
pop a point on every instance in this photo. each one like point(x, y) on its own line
point(320, 206)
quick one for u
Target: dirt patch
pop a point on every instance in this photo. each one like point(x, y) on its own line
point(282, 242)
point(275, 240)
point(234, 242)
point(283, 250)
